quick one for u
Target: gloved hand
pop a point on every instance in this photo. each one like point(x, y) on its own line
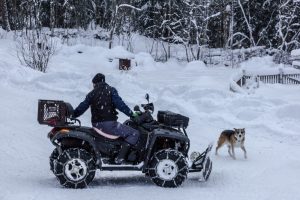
point(135, 114)
point(73, 116)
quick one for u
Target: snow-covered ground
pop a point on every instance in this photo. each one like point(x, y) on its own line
point(295, 54)
point(271, 116)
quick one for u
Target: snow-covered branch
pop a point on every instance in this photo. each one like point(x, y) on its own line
point(127, 6)
point(212, 16)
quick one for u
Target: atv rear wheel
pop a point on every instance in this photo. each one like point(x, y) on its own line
point(168, 168)
point(75, 168)
point(52, 159)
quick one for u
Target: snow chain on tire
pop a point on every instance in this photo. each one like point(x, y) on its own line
point(53, 158)
point(75, 168)
point(168, 168)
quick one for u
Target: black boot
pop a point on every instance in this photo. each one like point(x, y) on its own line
point(120, 159)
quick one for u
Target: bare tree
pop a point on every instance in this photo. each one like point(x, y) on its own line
point(35, 49)
point(115, 18)
point(247, 21)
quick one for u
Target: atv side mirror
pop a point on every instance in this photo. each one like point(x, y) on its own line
point(147, 97)
point(137, 108)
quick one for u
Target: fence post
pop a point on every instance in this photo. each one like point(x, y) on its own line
point(281, 75)
point(257, 80)
point(243, 79)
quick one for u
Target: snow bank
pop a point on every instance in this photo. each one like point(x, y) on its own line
point(120, 52)
point(195, 65)
point(145, 60)
point(2, 33)
point(259, 63)
point(287, 70)
point(295, 52)
point(296, 58)
point(235, 87)
point(265, 66)
point(233, 83)
point(296, 64)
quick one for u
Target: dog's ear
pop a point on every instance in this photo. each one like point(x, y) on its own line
point(234, 129)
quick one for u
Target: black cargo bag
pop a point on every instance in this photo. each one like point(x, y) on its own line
point(172, 119)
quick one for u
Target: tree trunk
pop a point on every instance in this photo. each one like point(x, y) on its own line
point(252, 42)
point(5, 15)
point(111, 33)
point(52, 17)
point(114, 10)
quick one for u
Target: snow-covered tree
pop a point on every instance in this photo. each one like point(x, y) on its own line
point(192, 23)
point(288, 25)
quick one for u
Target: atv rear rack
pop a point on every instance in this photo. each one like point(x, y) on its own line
point(56, 113)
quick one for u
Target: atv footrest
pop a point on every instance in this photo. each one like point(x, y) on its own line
point(110, 167)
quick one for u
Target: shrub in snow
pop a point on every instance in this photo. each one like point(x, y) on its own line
point(195, 65)
point(295, 57)
point(282, 57)
point(296, 54)
point(2, 33)
point(34, 50)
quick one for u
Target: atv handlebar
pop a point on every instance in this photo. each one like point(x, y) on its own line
point(143, 117)
point(146, 107)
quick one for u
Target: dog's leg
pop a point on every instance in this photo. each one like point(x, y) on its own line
point(229, 152)
point(220, 144)
point(232, 149)
point(245, 152)
point(217, 150)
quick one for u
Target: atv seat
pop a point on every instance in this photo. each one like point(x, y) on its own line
point(93, 133)
point(100, 132)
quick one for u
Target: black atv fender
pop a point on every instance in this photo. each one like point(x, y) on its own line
point(73, 134)
point(167, 134)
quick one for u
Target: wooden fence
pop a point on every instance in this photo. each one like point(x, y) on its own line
point(280, 78)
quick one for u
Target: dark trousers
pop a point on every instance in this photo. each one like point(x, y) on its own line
point(129, 134)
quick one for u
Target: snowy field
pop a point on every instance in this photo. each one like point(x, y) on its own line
point(270, 114)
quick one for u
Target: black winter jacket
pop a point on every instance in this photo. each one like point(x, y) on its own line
point(103, 100)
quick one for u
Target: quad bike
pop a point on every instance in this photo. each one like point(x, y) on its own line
point(161, 152)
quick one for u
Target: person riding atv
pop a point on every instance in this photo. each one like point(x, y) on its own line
point(104, 100)
point(160, 152)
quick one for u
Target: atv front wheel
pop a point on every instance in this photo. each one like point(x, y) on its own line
point(52, 159)
point(75, 168)
point(168, 168)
